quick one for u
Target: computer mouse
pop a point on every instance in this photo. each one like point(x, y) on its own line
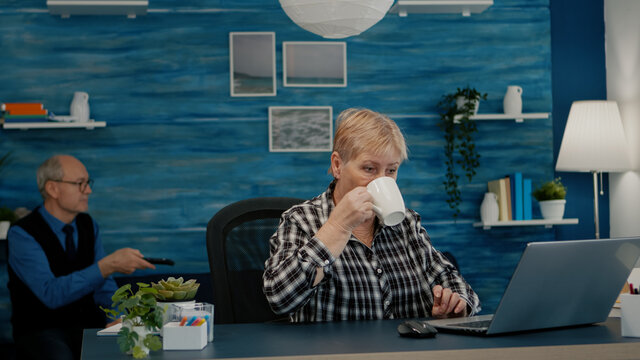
point(416, 329)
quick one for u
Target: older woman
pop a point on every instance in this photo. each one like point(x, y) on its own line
point(331, 259)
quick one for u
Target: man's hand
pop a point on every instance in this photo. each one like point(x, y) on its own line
point(447, 303)
point(124, 261)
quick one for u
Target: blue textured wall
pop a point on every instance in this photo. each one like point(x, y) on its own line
point(177, 147)
point(579, 73)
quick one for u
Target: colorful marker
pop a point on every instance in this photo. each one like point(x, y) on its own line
point(183, 321)
point(191, 321)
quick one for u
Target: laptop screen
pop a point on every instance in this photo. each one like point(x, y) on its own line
point(564, 283)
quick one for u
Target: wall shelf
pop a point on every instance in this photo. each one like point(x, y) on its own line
point(464, 7)
point(518, 118)
point(90, 125)
point(128, 8)
point(537, 222)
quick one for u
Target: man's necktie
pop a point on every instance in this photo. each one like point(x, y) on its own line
point(69, 244)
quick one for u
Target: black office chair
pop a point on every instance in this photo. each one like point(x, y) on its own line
point(238, 245)
point(452, 259)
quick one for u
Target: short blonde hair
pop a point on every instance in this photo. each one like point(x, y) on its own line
point(361, 130)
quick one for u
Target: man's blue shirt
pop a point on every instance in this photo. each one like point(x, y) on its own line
point(29, 262)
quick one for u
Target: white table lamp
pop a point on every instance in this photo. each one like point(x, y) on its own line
point(594, 141)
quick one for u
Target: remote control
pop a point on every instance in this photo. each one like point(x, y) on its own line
point(160, 261)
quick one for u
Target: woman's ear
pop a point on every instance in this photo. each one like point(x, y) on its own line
point(336, 164)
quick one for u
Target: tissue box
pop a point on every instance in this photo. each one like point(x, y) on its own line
point(630, 315)
point(176, 337)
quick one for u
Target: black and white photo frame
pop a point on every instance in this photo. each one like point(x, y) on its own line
point(300, 128)
point(252, 63)
point(314, 64)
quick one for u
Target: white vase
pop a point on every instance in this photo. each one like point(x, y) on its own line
point(552, 209)
point(512, 102)
point(142, 333)
point(4, 229)
point(461, 100)
point(489, 210)
point(80, 106)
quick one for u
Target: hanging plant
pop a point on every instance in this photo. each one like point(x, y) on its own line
point(459, 148)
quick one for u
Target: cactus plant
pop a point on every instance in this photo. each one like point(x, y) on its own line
point(174, 289)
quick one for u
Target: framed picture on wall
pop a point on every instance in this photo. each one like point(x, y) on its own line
point(252, 63)
point(300, 128)
point(314, 64)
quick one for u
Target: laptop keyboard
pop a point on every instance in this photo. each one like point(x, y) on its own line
point(474, 324)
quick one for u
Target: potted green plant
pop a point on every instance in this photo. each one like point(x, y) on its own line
point(551, 197)
point(141, 317)
point(459, 149)
point(174, 291)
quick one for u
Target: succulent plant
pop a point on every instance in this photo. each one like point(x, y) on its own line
point(174, 289)
point(551, 190)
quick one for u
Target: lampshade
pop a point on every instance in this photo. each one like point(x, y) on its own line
point(336, 19)
point(593, 139)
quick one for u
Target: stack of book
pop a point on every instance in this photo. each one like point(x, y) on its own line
point(24, 112)
point(514, 197)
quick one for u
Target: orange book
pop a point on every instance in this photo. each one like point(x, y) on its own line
point(24, 108)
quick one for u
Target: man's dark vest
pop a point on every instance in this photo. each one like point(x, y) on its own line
point(29, 313)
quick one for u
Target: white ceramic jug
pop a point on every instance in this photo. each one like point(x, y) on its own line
point(80, 106)
point(512, 102)
point(489, 210)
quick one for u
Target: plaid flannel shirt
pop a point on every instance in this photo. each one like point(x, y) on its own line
point(392, 279)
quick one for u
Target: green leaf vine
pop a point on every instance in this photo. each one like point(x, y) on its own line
point(140, 309)
point(459, 148)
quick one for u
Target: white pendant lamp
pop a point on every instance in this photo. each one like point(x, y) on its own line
point(336, 19)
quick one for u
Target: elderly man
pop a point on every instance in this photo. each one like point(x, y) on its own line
point(58, 272)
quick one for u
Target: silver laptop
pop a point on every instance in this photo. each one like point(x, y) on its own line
point(559, 283)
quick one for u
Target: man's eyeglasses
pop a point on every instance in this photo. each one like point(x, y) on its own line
point(82, 185)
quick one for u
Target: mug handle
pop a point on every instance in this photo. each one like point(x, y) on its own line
point(377, 210)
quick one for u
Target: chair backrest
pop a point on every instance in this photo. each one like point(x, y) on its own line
point(238, 245)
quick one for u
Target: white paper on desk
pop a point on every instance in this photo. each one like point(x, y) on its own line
point(113, 330)
point(634, 277)
point(110, 331)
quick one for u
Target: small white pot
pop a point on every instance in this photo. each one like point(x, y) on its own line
point(4, 228)
point(552, 209)
point(460, 101)
point(142, 333)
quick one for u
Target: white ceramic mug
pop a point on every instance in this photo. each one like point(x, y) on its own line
point(387, 200)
